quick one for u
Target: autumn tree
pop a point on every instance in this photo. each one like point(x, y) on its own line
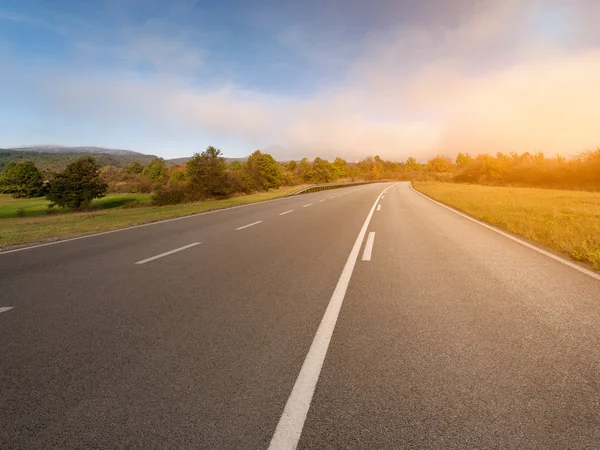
point(339, 168)
point(206, 173)
point(261, 171)
point(322, 171)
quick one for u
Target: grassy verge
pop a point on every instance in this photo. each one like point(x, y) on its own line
point(566, 221)
point(23, 230)
point(33, 207)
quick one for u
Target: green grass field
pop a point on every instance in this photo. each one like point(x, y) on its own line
point(37, 226)
point(566, 221)
point(33, 207)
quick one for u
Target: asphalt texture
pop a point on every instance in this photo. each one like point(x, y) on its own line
point(451, 336)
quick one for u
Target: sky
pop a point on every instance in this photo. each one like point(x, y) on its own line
point(349, 78)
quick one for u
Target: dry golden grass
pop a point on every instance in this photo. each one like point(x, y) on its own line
point(567, 221)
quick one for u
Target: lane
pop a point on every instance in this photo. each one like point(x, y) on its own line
point(170, 252)
point(199, 349)
point(454, 336)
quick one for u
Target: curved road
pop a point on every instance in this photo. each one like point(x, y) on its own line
point(365, 317)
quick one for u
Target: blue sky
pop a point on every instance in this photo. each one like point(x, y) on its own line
point(354, 78)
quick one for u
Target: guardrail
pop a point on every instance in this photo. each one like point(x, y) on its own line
point(324, 187)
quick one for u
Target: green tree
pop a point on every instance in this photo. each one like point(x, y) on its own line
point(206, 173)
point(339, 168)
point(77, 185)
point(156, 170)
point(22, 179)
point(262, 171)
point(177, 175)
point(134, 167)
point(322, 171)
point(305, 170)
point(235, 165)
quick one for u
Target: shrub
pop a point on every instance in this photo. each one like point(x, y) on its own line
point(168, 196)
point(133, 204)
point(21, 212)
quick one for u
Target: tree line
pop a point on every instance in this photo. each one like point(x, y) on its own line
point(208, 175)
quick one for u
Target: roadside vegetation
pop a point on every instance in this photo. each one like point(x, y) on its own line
point(16, 231)
point(566, 221)
point(117, 196)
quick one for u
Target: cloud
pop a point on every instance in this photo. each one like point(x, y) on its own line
point(507, 76)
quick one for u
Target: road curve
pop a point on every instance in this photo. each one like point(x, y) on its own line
point(418, 328)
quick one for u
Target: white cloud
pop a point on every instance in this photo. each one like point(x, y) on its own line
point(484, 84)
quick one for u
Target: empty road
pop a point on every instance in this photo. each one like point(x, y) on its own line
point(366, 317)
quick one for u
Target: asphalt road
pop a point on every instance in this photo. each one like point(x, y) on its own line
point(290, 323)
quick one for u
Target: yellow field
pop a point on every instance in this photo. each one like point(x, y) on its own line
point(567, 221)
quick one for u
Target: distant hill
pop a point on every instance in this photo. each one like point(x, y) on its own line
point(55, 162)
point(54, 158)
point(81, 149)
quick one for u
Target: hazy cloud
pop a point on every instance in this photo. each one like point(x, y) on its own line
point(505, 76)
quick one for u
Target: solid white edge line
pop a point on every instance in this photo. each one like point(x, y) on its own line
point(170, 252)
point(509, 236)
point(369, 247)
point(378, 207)
point(306, 206)
point(288, 431)
point(5, 308)
point(286, 212)
point(249, 225)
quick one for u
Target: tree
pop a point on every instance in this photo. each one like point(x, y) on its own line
point(463, 160)
point(235, 165)
point(339, 168)
point(262, 171)
point(134, 168)
point(22, 179)
point(305, 170)
point(77, 185)
point(322, 171)
point(156, 170)
point(412, 164)
point(206, 172)
point(439, 164)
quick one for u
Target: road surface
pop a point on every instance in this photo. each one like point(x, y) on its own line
point(365, 317)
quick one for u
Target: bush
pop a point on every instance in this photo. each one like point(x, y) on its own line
point(21, 212)
point(169, 196)
point(133, 204)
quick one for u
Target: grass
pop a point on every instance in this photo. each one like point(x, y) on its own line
point(33, 207)
point(566, 221)
point(22, 230)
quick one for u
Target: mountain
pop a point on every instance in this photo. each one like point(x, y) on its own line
point(82, 149)
point(54, 158)
point(50, 161)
